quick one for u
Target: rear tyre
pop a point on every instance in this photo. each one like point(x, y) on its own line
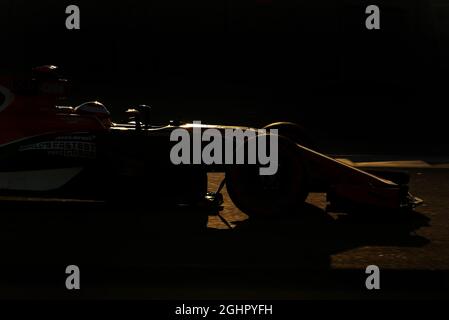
point(270, 196)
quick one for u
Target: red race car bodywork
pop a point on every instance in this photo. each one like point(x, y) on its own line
point(46, 149)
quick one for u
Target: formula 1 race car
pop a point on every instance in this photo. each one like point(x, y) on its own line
point(78, 152)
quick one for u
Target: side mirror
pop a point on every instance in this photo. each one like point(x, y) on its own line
point(134, 115)
point(145, 112)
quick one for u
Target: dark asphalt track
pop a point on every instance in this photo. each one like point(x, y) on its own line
point(184, 253)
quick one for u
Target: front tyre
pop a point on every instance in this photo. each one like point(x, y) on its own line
point(292, 131)
point(274, 195)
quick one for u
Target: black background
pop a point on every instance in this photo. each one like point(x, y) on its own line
point(250, 62)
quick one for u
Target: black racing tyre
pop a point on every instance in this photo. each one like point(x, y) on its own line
point(270, 196)
point(293, 131)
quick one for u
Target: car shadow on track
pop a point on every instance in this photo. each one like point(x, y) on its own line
point(308, 238)
point(129, 235)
